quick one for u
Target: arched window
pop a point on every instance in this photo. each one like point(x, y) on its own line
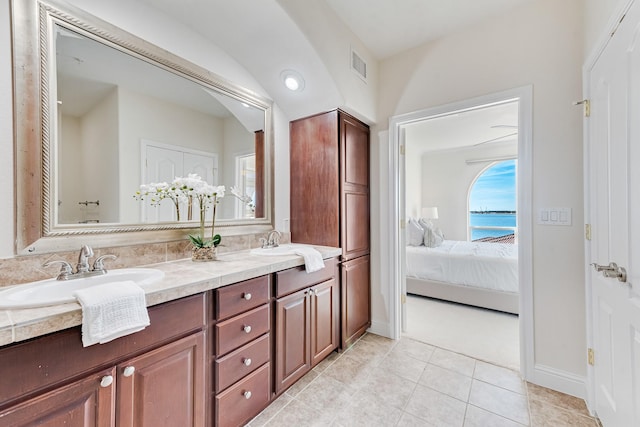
point(492, 204)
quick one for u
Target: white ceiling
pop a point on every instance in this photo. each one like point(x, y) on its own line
point(389, 27)
point(478, 127)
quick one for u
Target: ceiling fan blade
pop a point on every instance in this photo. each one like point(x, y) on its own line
point(496, 139)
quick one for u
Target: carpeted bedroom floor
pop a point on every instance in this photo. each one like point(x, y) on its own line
point(486, 335)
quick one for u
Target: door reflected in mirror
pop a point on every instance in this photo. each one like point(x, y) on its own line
point(123, 121)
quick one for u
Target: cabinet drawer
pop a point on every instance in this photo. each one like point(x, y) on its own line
point(233, 366)
point(297, 278)
point(239, 330)
point(244, 400)
point(240, 297)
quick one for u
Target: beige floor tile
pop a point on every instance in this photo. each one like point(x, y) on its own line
point(350, 370)
point(478, 417)
point(546, 415)
point(556, 398)
point(445, 381)
point(271, 410)
point(436, 408)
point(403, 365)
point(328, 361)
point(368, 351)
point(500, 401)
point(326, 394)
point(416, 349)
point(302, 383)
point(453, 361)
point(502, 377)
point(299, 414)
point(368, 410)
point(393, 389)
point(408, 420)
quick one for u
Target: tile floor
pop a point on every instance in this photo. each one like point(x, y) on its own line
point(381, 382)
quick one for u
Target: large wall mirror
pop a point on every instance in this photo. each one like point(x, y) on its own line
point(100, 112)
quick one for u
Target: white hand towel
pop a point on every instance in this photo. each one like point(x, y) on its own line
point(312, 258)
point(111, 311)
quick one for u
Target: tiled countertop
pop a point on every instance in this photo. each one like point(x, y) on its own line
point(182, 278)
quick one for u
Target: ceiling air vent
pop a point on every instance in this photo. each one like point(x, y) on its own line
point(358, 65)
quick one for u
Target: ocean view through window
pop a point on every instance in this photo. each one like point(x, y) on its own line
point(492, 204)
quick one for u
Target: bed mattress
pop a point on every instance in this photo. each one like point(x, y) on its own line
point(478, 264)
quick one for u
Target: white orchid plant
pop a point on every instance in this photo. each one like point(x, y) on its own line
point(184, 191)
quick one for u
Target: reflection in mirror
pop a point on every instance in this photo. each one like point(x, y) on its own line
point(99, 111)
point(123, 122)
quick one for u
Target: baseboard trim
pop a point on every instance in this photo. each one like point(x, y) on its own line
point(562, 381)
point(380, 328)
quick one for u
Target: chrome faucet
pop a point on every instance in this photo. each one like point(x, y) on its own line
point(82, 268)
point(272, 240)
point(83, 259)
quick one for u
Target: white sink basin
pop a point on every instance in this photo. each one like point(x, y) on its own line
point(286, 249)
point(53, 292)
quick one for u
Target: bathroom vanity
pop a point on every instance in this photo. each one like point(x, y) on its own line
point(226, 338)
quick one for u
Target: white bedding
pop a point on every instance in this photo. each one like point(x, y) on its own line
point(480, 264)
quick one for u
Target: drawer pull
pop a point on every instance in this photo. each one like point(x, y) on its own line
point(247, 328)
point(246, 296)
point(247, 394)
point(246, 361)
point(128, 371)
point(106, 381)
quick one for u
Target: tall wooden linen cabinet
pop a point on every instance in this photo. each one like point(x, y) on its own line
point(329, 158)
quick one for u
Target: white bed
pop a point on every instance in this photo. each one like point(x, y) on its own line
point(475, 273)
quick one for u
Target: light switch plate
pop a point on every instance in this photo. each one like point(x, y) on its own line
point(554, 216)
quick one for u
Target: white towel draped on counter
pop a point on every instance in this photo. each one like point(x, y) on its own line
point(112, 310)
point(312, 258)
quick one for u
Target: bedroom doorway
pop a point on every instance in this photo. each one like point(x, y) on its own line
point(506, 136)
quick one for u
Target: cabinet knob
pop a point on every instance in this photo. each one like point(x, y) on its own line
point(106, 381)
point(246, 361)
point(247, 394)
point(247, 296)
point(247, 328)
point(128, 371)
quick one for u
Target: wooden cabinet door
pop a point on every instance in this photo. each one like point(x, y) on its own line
point(83, 403)
point(315, 180)
point(325, 315)
point(354, 184)
point(355, 293)
point(293, 326)
point(166, 386)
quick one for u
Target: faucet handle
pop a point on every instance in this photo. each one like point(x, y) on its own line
point(98, 264)
point(65, 271)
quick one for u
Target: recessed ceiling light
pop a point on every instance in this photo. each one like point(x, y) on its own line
point(292, 80)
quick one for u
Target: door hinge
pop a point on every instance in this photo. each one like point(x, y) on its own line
point(590, 357)
point(587, 231)
point(403, 299)
point(403, 224)
point(402, 150)
point(586, 105)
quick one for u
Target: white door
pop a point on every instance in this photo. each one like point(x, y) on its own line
point(161, 165)
point(614, 205)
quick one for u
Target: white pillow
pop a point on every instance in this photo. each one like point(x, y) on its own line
point(433, 236)
point(415, 233)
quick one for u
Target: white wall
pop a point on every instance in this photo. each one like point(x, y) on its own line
point(99, 168)
point(539, 43)
point(597, 17)
point(333, 42)
point(70, 188)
